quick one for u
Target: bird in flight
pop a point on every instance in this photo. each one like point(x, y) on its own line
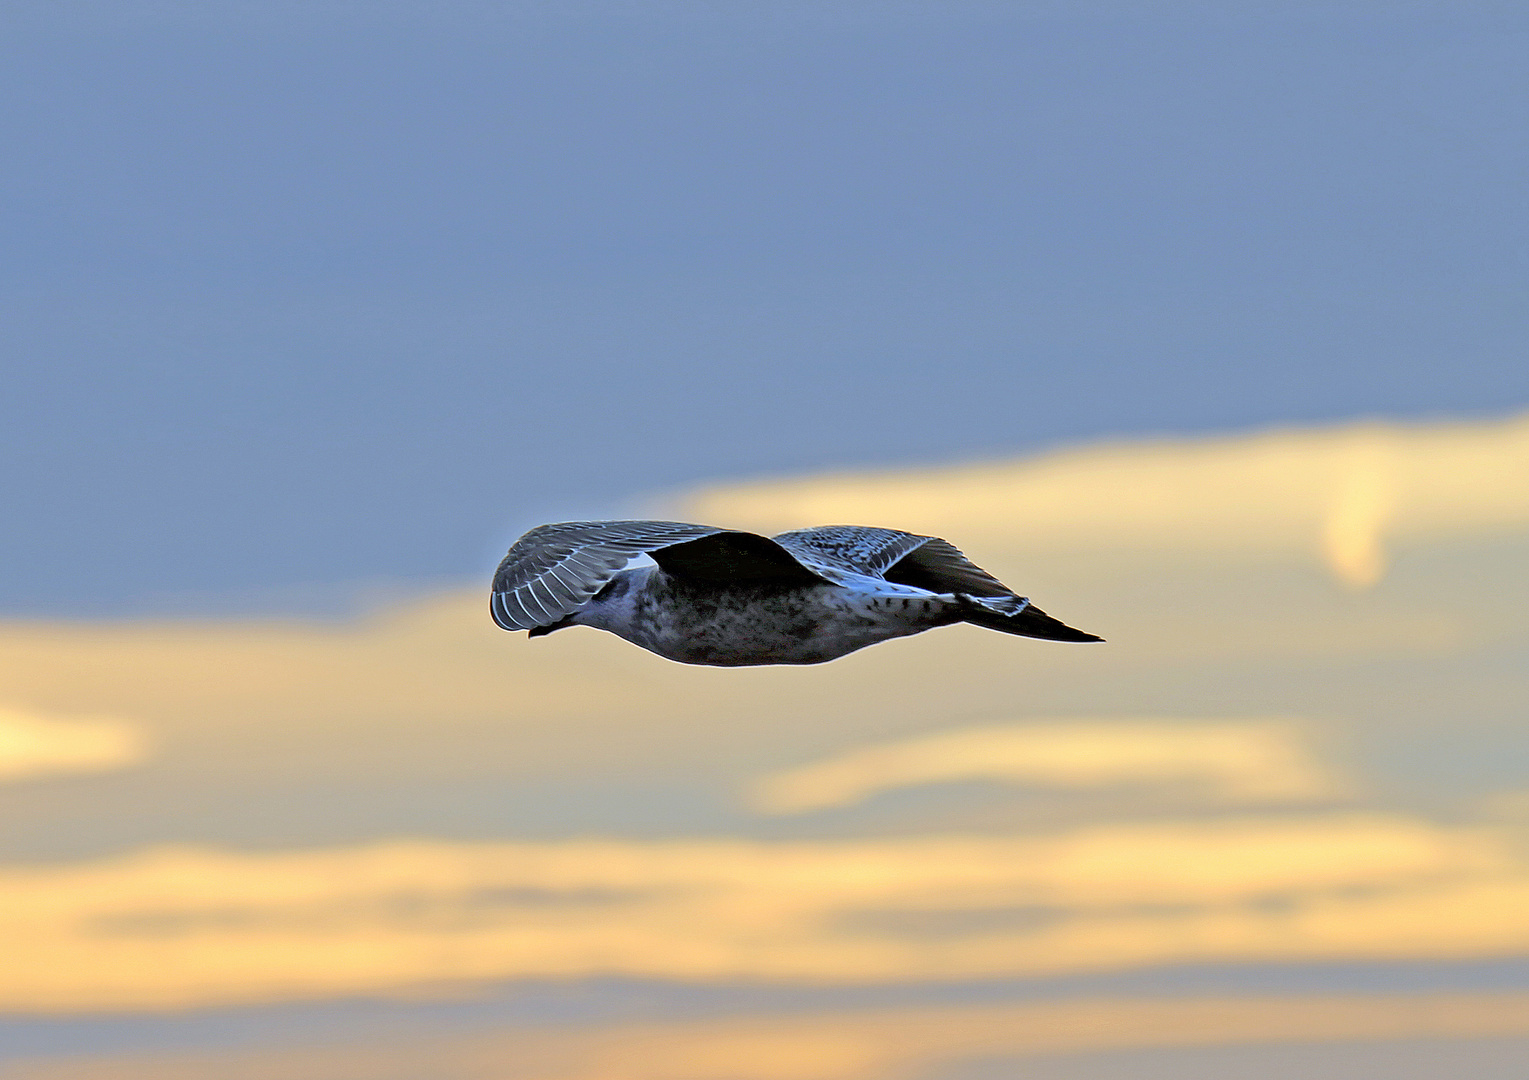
point(732, 599)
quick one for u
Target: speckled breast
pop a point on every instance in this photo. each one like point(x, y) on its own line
point(741, 627)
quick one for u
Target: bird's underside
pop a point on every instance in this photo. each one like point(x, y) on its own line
point(730, 598)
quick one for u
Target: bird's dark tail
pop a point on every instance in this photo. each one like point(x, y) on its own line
point(1030, 621)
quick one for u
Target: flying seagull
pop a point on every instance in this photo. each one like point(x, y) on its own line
point(730, 599)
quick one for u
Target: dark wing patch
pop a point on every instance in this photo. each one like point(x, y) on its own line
point(553, 570)
point(742, 558)
point(939, 566)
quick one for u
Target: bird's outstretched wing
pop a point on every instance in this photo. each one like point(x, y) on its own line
point(553, 570)
point(926, 562)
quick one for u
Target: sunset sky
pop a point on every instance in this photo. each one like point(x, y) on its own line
point(1201, 324)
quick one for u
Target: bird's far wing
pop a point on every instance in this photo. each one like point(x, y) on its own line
point(925, 562)
point(553, 570)
point(839, 551)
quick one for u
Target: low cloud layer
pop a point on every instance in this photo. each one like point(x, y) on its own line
point(182, 927)
point(891, 1043)
point(1236, 762)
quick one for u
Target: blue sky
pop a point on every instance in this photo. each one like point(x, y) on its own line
point(299, 296)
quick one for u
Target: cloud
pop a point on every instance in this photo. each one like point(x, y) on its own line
point(1337, 494)
point(1361, 509)
point(184, 927)
point(1231, 761)
point(33, 745)
point(857, 1045)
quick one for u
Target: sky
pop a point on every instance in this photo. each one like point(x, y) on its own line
point(1200, 323)
point(301, 300)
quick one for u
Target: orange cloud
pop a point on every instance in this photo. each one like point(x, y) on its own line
point(1231, 761)
point(180, 927)
point(34, 745)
